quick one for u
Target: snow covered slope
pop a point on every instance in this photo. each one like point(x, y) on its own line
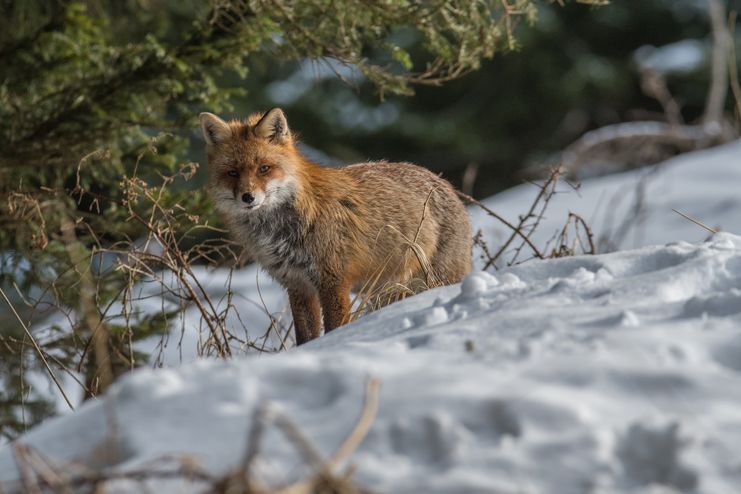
point(705, 184)
point(605, 374)
point(634, 208)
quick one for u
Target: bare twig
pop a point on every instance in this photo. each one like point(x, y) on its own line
point(565, 248)
point(28, 479)
point(80, 257)
point(654, 85)
point(469, 177)
point(611, 238)
point(38, 349)
point(732, 68)
point(324, 472)
point(716, 97)
point(38, 472)
point(516, 230)
point(28, 458)
point(695, 221)
point(353, 440)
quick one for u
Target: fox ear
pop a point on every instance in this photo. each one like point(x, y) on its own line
point(215, 130)
point(273, 126)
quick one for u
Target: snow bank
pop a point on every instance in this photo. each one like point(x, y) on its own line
point(634, 208)
point(604, 374)
point(680, 57)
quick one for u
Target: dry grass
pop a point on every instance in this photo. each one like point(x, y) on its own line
point(378, 292)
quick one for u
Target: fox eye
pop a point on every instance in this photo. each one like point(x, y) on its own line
point(263, 169)
point(232, 173)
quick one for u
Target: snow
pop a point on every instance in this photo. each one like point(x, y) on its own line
point(610, 373)
point(634, 208)
point(310, 72)
point(613, 373)
point(680, 57)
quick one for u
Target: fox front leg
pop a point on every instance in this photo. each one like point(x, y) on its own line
point(306, 315)
point(335, 300)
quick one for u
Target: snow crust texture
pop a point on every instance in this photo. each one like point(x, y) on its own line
point(617, 373)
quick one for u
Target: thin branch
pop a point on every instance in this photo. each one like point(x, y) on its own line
point(353, 440)
point(732, 69)
point(80, 256)
point(38, 349)
point(716, 98)
point(516, 230)
point(695, 221)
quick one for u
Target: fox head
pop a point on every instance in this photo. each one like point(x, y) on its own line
point(252, 163)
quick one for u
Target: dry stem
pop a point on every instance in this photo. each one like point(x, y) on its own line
point(38, 349)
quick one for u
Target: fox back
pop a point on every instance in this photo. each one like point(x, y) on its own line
point(385, 230)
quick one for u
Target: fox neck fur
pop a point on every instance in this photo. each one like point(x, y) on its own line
point(283, 239)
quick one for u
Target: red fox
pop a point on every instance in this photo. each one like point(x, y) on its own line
point(324, 232)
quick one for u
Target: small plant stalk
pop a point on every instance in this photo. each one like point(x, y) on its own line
point(80, 257)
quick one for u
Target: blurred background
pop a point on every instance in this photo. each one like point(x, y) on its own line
point(577, 68)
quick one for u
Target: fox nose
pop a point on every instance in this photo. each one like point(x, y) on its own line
point(247, 198)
